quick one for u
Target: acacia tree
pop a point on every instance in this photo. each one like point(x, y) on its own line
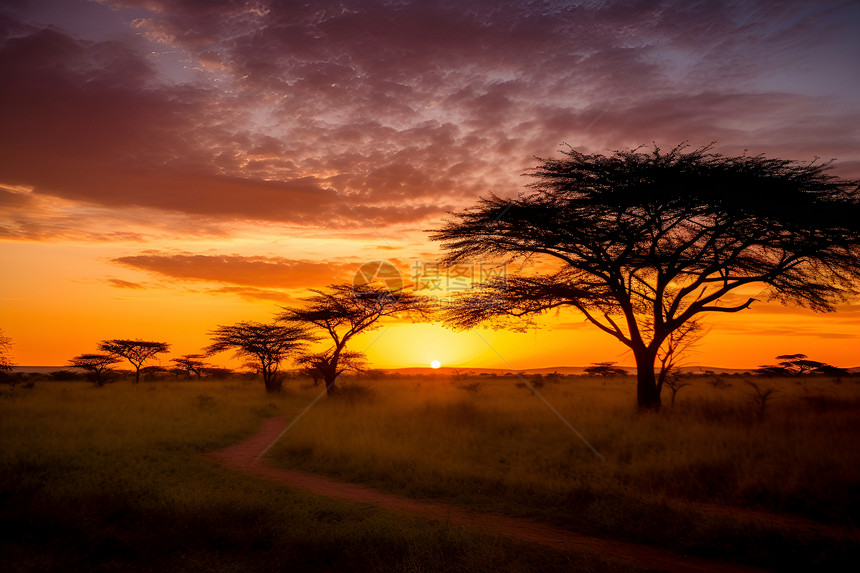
point(266, 345)
point(98, 365)
point(135, 351)
point(605, 369)
point(798, 365)
point(191, 364)
point(649, 241)
point(316, 365)
point(344, 310)
point(5, 348)
point(677, 344)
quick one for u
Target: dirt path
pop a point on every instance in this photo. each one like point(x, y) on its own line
point(243, 457)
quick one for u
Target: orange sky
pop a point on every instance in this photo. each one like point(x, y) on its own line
point(64, 297)
point(167, 167)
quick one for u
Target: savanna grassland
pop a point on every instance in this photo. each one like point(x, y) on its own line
point(702, 477)
point(116, 478)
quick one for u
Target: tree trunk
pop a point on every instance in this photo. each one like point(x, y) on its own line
point(331, 372)
point(137, 375)
point(647, 394)
point(273, 382)
point(330, 384)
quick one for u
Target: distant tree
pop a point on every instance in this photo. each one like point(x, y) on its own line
point(675, 347)
point(554, 377)
point(153, 372)
point(65, 375)
point(97, 365)
point(674, 381)
point(137, 351)
point(760, 397)
point(5, 348)
point(217, 372)
point(772, 371)
point(605, 369)
point(828, 370)
point(191, 364)
point(798, 365)
point(266, 345)
point(650, 241)
point(344, 310)
point(669, 356)
point(317, 365)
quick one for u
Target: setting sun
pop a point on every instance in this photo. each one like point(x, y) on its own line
point(435, 364)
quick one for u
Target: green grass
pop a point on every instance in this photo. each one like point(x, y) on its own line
point(501, 449)
point(114, 479)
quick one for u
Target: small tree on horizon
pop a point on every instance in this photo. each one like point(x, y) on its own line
point(605, 369)
point(677, 345)
point(191, 364)
point(5, 348)
point(798, 365)
point(97, 365)
point(137, 351)
point(265, 345)
point(650, 241)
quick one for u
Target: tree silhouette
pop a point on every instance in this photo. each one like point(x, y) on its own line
point(605, 369)
point(97, 365)
point(760, 397)
point(135, 351)
point(317, 365)
point(5, 348)
point(649, 241)
point(798, 365)
point(266, 345)
point(191, 364)
point(676, 346)
point(344, 310)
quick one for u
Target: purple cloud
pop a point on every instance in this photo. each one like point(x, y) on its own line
point(336, 114)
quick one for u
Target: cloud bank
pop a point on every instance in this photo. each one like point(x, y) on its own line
point(344, 114)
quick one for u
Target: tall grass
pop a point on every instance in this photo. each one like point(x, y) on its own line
point(500, 448)
point(113, 479)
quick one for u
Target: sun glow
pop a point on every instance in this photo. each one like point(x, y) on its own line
point(435, 364)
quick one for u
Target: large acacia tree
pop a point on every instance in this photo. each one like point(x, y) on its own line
point(647, 242)
point(137, 352)
point(342, 311)
point(266, 345)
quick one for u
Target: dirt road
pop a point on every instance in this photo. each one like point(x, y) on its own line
point(243, 457)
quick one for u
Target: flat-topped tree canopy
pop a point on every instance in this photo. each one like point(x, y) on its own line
point(266, 345)
point(5, 348)
point(98, 365)
point(341, 311)
point(648, 241)
point(136, 351)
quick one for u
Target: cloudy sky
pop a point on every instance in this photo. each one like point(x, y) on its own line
point(170, 165)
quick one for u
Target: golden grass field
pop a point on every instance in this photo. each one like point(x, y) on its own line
point(114, 478)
